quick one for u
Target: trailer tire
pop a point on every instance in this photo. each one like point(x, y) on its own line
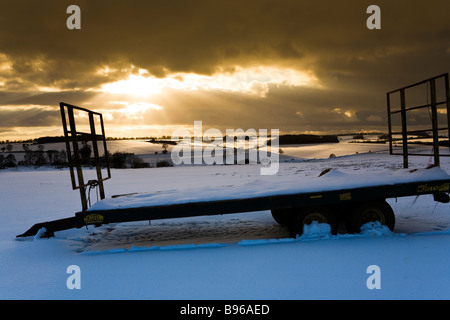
point(310, 214)
point(370, 211)
point(280, 216)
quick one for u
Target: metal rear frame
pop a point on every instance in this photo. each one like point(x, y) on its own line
point(73, 137)
point(431, 82)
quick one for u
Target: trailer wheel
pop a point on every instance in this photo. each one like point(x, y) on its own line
point(308, 215)
point(370, 211)
point(280, 216)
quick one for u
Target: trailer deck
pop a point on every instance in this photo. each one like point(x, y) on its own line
point(334, 196)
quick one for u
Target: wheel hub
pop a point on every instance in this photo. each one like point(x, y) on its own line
point(372, 215)
point(315, 216)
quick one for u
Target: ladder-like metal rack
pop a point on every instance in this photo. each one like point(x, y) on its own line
point(432, 105)
point(95, 134)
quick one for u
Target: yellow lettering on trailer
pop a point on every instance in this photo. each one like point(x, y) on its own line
point(93, 218)
point(345, 196)
point(426, 188)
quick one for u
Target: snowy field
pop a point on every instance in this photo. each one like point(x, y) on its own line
point(236, 256)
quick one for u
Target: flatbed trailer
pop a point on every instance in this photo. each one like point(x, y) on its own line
point(299, 203)
point(355, 205)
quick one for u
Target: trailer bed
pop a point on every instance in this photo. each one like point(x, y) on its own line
point(332, 188)
point(262, 187)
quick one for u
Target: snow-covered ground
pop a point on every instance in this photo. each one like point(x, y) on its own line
point(236, 256)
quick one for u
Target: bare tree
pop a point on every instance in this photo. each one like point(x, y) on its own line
point(165, 145)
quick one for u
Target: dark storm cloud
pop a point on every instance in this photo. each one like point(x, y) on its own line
point(355, 66)
point(200, 36)
point(30, 117)
point(36, 109)
point(44, 99)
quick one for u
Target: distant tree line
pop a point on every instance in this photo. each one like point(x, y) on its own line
point(53, 139)
point(40, 158)
point(59, 159)
point(123, 160)
point(306, 139)
point(7, 162)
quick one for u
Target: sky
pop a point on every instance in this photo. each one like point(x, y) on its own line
point(150, 66)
